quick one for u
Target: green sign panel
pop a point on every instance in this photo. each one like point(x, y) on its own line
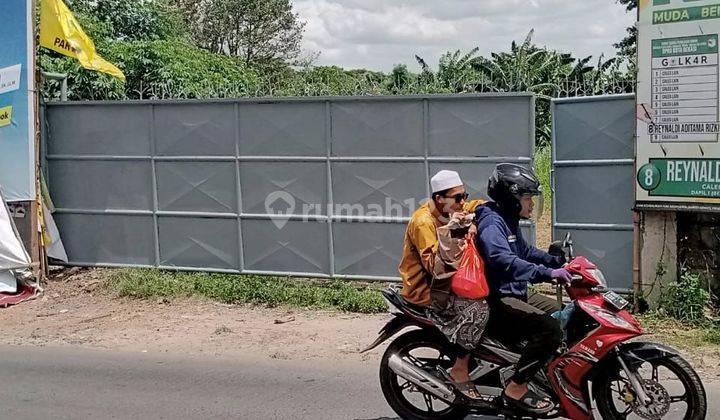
point(686, 14)
point(681, 177)
point(670, 47)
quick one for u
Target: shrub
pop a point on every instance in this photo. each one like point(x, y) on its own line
point(686, 299)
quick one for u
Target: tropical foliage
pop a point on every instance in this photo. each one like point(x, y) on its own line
point(250, 48)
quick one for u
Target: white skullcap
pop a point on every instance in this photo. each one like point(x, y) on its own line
point(444, 180)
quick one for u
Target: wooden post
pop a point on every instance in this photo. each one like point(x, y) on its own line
point(36, 251)
point(637, 264)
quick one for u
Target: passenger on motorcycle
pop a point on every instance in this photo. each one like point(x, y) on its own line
point(510, 265)
point(461, 320)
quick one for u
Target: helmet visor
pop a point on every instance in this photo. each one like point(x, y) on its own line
point(532, 206)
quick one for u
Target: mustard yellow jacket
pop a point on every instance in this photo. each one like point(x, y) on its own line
point(419, 248)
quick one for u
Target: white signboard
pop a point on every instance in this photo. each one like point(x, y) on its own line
point(10, 78)
point(678, 127)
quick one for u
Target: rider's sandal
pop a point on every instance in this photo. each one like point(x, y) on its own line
point(529, 403)
point(468, 390)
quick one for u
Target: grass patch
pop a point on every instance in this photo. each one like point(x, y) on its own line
point(679, 333)
point(233, 288)
point(543, 164)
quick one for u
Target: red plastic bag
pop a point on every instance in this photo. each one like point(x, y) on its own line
point(469, 281)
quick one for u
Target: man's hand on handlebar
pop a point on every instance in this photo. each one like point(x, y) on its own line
point(562, 276)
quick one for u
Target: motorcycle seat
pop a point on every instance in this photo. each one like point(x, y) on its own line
point(394, 296)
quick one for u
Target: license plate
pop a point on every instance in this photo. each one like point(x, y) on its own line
point(616, 301)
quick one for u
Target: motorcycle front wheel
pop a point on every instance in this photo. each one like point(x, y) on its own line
point(672, 385)
point(409, 402)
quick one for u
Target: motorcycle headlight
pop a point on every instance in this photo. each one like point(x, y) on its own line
point(607, 316)
point(598, 276)
point(614, 319)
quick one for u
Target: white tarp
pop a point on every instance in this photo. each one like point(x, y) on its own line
point(55, 248)
point(12, 252)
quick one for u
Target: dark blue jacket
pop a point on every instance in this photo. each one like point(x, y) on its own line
point(510, 263)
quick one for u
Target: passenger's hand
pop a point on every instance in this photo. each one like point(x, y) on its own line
point(471, 232)
point(561, 275)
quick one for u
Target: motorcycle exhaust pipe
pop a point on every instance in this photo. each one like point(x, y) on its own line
point(421, 379)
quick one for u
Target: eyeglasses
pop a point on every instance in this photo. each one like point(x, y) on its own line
point(459, 197)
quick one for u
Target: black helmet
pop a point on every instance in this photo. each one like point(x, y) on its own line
point(509, 182)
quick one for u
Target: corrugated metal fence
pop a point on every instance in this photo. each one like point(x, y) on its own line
point(593, 180)
point(312, 187)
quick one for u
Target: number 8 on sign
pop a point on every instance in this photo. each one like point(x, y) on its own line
point(648, 177)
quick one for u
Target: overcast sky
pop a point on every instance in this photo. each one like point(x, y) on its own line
point(376, 34)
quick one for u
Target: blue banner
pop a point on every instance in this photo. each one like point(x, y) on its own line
point(17, 121)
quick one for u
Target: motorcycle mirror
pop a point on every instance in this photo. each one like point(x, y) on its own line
point(568, 244)
point(556, 248)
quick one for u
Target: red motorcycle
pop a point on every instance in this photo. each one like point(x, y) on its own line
point(597, 373)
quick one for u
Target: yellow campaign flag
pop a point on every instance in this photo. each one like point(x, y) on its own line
point(59, 31)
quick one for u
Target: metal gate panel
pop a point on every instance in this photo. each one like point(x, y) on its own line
point(599, 194)
point(594, 129)
point(195, 129)
point(305, 182)
point(283, 129)
point(291, 246)
point(196, 186)
point(302, 186)
point(384, 185)
point(93, 130)
point(593, 180)
point(468, 128)
point(363, 249)
point(107, 239)
point(388, 128)
point(199, 242)
point(102, 184)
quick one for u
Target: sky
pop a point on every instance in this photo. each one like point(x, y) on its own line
point(377, 34)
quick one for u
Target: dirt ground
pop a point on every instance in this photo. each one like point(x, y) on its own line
point(74, 311)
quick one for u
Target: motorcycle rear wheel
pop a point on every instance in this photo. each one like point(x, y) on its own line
point(611, 387)
point(397, 390)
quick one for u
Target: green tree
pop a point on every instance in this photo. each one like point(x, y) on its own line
point(260, 32)
point(130, 20)
point(627, 47)
point(527, 68)
point(147, 40)
point(400, 79)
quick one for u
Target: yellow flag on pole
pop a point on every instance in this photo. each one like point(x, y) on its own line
point(61, 32)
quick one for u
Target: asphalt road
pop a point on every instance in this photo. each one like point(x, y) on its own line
point(70, 383)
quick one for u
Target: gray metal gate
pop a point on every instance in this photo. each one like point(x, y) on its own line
point(317, 187)
point(593, 180)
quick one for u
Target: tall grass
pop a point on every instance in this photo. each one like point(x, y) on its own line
point(231, 288)
point(543, 164)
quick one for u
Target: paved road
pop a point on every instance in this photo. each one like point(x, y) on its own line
point(68, 383)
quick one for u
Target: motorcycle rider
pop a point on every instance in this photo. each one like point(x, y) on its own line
point(510, 265)
point(461, 320)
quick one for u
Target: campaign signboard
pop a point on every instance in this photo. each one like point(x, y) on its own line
point(678, 112)
point(17, 114)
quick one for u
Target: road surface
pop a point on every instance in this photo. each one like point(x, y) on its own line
point(74, 383)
